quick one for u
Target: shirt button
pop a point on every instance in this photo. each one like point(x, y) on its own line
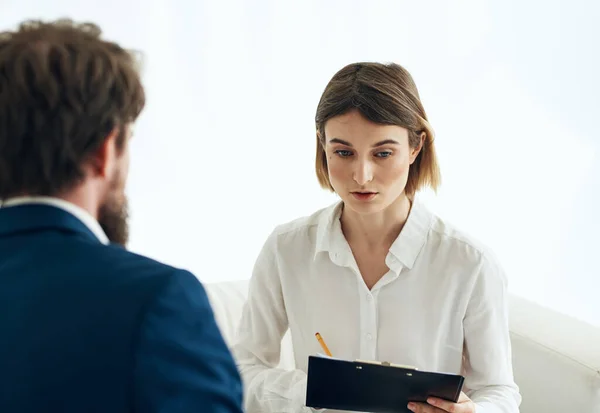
point(369, 336)
point(369, 297)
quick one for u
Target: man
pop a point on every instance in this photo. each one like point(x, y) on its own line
point(85, 325)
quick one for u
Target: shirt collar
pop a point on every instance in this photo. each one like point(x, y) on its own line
point(85, 217)
point(329, 230)
point(412, 238)
point(405, 249)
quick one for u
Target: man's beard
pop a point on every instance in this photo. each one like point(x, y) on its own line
point(113, 218)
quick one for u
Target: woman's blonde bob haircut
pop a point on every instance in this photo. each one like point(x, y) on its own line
point(384, 94)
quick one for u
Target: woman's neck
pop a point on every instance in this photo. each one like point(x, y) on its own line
point(378, 230)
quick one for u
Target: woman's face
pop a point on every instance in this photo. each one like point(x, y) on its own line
point(368, 163)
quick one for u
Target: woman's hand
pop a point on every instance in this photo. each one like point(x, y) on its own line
point(433, 405)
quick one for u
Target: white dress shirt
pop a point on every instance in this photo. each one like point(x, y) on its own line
point(81, 214)
point(442, 306)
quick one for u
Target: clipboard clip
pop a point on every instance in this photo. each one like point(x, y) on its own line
point(386, 364)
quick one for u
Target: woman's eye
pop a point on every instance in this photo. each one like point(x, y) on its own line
point(343, 153)
point(384, 154)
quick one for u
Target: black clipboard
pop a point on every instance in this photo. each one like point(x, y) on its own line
point(374, 387)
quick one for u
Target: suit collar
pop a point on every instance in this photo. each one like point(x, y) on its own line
point(37, 217)
point(84, 216)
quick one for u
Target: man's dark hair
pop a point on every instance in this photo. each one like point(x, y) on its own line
point(63, 90)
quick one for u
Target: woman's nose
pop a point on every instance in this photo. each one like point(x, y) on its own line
point(363, 172)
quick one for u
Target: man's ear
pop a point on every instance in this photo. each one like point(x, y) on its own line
point(416, 150)
point(103, 159)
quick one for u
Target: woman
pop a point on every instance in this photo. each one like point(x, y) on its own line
point(377, 275)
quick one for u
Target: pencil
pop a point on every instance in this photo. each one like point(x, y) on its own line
point(323, 345)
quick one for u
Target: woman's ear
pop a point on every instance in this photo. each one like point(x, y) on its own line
point(417, 149)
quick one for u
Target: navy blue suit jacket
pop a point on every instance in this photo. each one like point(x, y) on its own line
point(88, 327)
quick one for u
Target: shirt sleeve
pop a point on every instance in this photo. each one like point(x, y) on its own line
point(258, 343)
point(489, 378)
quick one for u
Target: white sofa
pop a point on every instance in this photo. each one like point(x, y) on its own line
point(556, 359)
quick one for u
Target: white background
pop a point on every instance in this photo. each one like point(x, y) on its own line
point(225, 149)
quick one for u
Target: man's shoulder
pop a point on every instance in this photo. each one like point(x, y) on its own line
point(122, 254)
point(118, 260)
point(126, 271)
